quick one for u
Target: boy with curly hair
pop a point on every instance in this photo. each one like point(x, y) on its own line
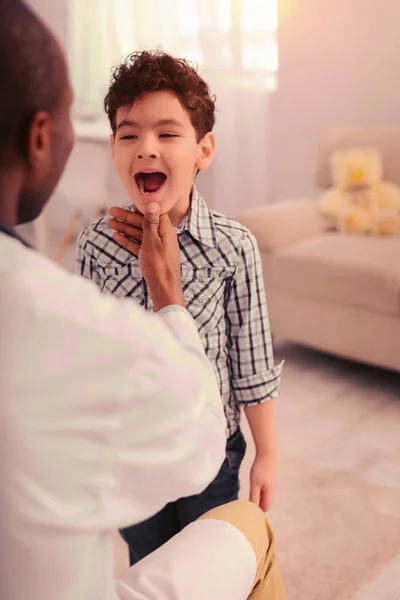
point(162, 116)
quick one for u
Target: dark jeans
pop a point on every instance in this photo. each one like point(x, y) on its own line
point(149, 535)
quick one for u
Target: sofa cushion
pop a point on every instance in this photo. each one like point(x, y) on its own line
point(282, 223)
point(351, 270)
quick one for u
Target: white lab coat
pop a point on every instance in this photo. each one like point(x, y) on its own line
point(106, 414)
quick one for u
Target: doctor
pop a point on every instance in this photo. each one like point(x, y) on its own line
point(84, 379)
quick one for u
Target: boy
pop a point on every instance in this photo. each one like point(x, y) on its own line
point(162, 116)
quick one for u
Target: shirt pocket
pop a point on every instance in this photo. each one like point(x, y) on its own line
point(204, 290)
point(124, 281)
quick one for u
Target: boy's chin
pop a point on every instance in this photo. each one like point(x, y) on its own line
point(140, 207)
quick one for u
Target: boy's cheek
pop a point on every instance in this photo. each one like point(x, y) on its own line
point(122, 168)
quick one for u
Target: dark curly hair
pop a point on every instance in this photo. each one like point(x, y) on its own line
point(155, 71)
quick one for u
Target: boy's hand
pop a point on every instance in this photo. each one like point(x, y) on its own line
point(263, 482)
point(153, 239)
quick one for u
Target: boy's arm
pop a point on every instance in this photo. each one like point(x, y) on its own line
point(262, 423)
point(255, 378)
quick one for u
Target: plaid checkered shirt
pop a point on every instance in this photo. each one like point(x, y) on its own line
point(224, 292)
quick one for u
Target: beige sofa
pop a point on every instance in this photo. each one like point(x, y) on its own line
point(332, 292)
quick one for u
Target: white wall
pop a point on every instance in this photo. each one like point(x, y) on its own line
point(339, 65)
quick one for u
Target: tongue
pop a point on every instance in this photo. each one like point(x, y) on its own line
point(153, 181)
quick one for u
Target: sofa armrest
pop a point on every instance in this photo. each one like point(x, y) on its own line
point(284, 223)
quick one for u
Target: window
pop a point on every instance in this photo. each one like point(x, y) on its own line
point(231, 40)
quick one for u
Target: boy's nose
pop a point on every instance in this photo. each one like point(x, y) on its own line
point(146, 154)
point(147, 148)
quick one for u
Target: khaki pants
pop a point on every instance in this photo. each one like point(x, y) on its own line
point(227, 554)
point(250, 520)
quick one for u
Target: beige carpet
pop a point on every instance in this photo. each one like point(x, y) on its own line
point(337, 510)
point(335, 533)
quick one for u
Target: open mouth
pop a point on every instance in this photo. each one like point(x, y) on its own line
point(150, 183)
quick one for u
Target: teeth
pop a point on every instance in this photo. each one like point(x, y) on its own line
point(140, 182)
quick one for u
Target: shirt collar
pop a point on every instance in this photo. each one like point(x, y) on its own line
point(199, 221)
point(13, 234)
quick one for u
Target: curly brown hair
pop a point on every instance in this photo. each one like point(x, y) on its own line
point(154, 71)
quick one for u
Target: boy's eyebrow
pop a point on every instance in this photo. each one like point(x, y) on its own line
point(172, 122)
point(161, 123)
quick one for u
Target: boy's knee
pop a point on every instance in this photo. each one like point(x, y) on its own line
point(239, 509)
point(249, 519)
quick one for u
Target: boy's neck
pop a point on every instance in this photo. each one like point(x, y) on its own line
point(179, 211)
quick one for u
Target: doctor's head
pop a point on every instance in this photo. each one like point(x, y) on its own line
point(36, 134)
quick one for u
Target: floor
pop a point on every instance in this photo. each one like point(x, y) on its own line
point(337, 509)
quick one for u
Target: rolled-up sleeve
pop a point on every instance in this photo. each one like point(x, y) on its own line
point(254, 376)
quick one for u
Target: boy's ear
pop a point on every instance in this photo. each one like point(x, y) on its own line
point(112, 143)
point(207, 149)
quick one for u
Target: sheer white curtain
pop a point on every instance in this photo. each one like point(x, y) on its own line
point(234, 44)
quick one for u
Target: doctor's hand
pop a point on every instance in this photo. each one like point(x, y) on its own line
point(153, 239)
